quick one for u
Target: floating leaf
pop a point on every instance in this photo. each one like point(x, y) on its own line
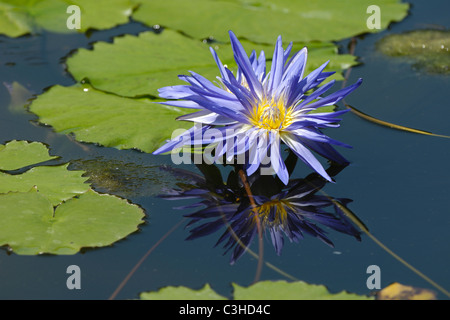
point(19, 17)
point(82, 218)
point(110, 120)
point(428, 49)
point(264, 290)
point(283, 290)
point(397, 291)
point(140, 65)
point(56, 183)
point(262, 21)
point(30, 224)
point(18, 154)
point(182, 293)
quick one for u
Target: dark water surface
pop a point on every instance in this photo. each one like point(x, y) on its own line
point(399, 183)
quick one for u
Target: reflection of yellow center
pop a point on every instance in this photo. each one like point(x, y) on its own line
point(271, 115)
point(273, 213)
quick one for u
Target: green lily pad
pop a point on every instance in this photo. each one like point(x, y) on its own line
point(283, 290)
point(115, 121)
point(140, 65)
point(427, 49)
point(18, 154)
point(30, 224)
point(107, 119)
point(19, 17)
point(264, 290)
point(182, 293)
point(82, 218)
point(263, 20)
point(56, 183)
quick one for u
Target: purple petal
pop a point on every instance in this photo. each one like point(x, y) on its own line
point(303, 153)
point(244, 64)
point(219, 64)
point(260, 69)
point(276, 160)
point(276, 71)
point(258, 151)
point(215, 105)
point(336, 96)
point(292, 74)
point(175, 92)
point(310, 134)
point(209, 86)
point(207, 117)
point(325, 150)
point(182, 104)
point(241, 93)
point(181, 140)
point(315, 95)
point(304, 85)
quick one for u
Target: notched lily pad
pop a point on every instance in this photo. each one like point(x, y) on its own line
point(283, 290)
point(140, 65)
point(18, 154)
point(182, 293)
point(109, 120)
point(263, 290)
point(50, 209)
point(262, 21)
point(428, 50)
point(56, 183)
point(31, 225)
point(20, 17)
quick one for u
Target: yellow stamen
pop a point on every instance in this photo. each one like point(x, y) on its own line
point(271, 115)
point(279, 217)
point(268, 113)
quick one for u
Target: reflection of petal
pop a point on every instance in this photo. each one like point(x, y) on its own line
point(289, 212)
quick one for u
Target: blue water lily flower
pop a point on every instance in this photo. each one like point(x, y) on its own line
point(254, 111)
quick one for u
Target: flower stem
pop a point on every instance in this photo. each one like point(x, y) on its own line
point(258, 225)
point(363, 228)
point(130, 274)
point(373, 119)
point(349, 214)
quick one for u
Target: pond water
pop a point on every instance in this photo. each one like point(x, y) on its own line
point(398, 181)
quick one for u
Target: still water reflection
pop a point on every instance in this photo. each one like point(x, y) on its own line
point(283, 211)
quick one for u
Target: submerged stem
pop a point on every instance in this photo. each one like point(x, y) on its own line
point(373, 119)
point(349, 214)
point(258, 225)
point(355, 220)
point(130, 274)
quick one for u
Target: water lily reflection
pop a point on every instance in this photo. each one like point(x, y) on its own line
point(285, 211)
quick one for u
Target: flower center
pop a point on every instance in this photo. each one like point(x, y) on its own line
point(271, 115)
point(273, 213)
